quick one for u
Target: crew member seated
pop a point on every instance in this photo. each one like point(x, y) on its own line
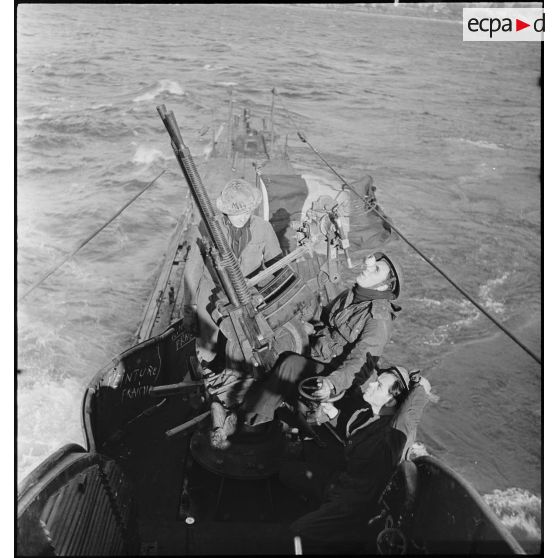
point(357, 326)
point(376, 434)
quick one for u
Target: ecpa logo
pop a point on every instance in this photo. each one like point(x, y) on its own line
point(503, 24)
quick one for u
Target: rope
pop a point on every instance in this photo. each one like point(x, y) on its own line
point(90, 237)
point(304, 140)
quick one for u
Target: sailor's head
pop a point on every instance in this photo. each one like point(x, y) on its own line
point(238, 200)
point(389, 390)
point(380, 273)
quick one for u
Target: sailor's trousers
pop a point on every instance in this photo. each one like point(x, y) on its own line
point(266, 396)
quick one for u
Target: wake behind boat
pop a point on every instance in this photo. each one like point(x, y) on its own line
point(149, 481)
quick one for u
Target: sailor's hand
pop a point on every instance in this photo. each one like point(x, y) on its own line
point(325, 389)
point(329, 409)
point(308, 328)
point(425, 384)
point(369, 261)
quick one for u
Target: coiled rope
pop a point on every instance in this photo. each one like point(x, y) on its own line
point(89, 238)
point(344, 183)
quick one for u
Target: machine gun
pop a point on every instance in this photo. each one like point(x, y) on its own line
point(246, 325)
point(259, 322)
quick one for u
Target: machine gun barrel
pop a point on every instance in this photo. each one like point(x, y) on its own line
point(243, 322)
point(233, 281)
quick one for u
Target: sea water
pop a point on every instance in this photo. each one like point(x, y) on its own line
point(449, 130)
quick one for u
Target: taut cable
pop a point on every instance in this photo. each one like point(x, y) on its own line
point(89, 238)
point(345, 184)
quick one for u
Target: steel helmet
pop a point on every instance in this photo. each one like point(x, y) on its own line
point(395, 271)
point(402, 374)
point(409, 378)
point(238, 196)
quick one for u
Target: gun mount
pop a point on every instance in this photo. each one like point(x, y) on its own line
point(263, 316)
point(255, 337)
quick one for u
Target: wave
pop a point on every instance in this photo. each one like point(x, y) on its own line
point(83, 61)
point(219, 47)
point(47, 65)
point(465, 314)
point(310, 94)
point(162, 86)
point(57, 398)
point(396, 70)
point(32, 118)
point(51, 141)
point(483, 144)
point(146, 155)
point(486, 293)
point(418, 449)
point(213, 68)
point(45, 170)
point(519, 510)
point(74, 127)
point(101, 106)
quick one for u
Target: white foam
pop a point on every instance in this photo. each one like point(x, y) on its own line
point(428, 302)
point(146, 155)
point(519, 510)
point(58, 399)
point(479, 143)
point(418, 449)
point(486, 293)
point(162, 86)
point(42, 116)
point(44, 65)
point(467, 313)
point(101, 105)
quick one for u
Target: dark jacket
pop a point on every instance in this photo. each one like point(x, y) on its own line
point(357, 332)
point(375, 448)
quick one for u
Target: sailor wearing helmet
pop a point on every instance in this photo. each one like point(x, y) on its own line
point(358, 324)
point(252, 239)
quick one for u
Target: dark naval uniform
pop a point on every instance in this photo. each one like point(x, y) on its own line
point(374, 447)
point(356, 329)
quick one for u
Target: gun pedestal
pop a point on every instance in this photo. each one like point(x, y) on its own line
point(279, 327)
point(259, 323)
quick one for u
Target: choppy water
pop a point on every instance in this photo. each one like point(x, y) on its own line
point(450, 131)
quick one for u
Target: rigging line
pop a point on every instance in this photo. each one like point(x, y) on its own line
point(409, 243)
point(90, 237)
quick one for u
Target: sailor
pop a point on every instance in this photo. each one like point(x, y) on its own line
point(252, 238)
point(377, 433)
point(356, 327)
